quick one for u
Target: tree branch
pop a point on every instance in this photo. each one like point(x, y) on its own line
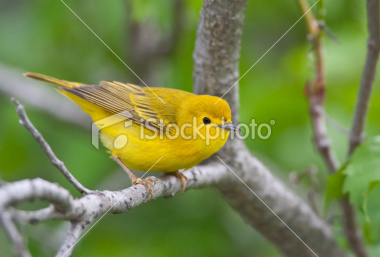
point(288, 209)
point(315, 91)
point(14, 235)
point(24, 121)
point(216, 57)
point(217, 50)
point(85, 210)
point(34, 217)
point(360, 115)
point(92, 205)
point(71, 238)
point(368, 77)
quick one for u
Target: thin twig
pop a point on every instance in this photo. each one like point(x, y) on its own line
point(34, 217)
point(321, 139)
point(351, 230)
point(24, 121)
point(315, 91)
point(368, 77)
point(335, 124)
point(72, 237)
point(14, 235)
point(310, 173)
point(360, 115)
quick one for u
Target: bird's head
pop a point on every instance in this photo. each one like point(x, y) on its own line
point(210, 115)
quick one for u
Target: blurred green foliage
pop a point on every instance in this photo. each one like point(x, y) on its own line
point(359, 179)
point(44, 36)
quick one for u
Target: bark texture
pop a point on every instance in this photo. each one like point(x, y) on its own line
point(279, 214)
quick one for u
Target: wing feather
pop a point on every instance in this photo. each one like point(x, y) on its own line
point(149, 105)
point(143, 103)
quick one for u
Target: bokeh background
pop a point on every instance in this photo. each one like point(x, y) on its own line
point(156, 39)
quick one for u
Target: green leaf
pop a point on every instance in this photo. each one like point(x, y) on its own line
point(365, 199)
point(362, 172)
point(357, 177)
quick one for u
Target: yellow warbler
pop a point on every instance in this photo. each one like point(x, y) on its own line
point(151, 129)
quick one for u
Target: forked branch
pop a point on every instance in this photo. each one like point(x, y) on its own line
point(315, 90)
point(216, 61)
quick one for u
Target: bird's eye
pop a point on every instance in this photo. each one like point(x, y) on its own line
point(206, 120)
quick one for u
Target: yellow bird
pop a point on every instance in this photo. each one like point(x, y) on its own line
point(151, 129)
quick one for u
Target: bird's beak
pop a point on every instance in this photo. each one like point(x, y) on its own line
point(229, 126)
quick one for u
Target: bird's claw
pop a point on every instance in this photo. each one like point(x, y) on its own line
point(145, 182)
point(182, 178)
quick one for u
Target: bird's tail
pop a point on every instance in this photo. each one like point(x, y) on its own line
point(68, 89)
point(58, 82)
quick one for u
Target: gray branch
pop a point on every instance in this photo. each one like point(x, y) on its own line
point(216, 57)
point(72, 237)
point(368, 77)
point(360, 116)
point(34, 217)
point(24, 121)
point(315, 92)
point(217, 50)
point(83, 211)
point(14, 235)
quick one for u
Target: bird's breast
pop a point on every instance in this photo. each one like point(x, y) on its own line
point(144, 150)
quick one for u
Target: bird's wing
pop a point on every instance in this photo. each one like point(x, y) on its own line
point(155, 107)
point(113, 97)
point(160, 104)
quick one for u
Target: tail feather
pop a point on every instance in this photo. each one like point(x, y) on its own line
point(58, 82)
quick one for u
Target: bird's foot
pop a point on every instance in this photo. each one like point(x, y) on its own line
point(136, 180)
point(183, 179)
point(148, 182)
